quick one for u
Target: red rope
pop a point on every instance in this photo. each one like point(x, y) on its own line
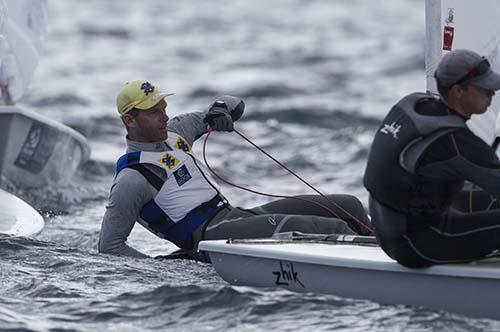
point(209, 130)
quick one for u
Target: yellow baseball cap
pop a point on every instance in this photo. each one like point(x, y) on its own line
point(138, 94)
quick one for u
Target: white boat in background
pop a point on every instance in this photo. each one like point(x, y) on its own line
point(334, 265)
point(36, 151)
point(354, 266)
point(17, 218)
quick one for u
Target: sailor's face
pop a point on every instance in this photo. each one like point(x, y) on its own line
point(476, 100)
point(152, 123)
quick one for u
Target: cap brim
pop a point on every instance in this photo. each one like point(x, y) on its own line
point(152, 101)
point(489, 81)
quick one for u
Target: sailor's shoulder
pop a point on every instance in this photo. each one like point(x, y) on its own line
point(129, 178)
point(419, 96)
point(130, 187)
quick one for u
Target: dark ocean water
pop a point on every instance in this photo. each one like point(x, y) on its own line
point(317, 76)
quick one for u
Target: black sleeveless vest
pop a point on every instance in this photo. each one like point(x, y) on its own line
point(395, 152)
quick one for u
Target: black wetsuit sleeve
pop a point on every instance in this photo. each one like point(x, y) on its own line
point(461, 155)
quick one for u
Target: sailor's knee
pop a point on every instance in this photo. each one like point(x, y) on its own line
point(349, 201)
point(343, 228)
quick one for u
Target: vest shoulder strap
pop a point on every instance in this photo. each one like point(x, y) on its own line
point(127, 160)
point(152, 178)
point(411, 154)
point(132, 160)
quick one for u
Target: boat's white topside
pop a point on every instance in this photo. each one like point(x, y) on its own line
point(346, 255)
point(17, 217)
point(36, 151)
point(13, 110)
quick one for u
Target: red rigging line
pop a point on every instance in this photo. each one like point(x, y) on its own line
point(209, 130)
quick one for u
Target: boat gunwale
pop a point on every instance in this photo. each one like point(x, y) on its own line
point(462, 270)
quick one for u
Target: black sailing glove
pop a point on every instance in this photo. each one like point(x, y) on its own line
point(178, 254)
point(223, 112)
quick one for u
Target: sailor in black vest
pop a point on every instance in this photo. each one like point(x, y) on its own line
point(160, 183)
point(421, 156)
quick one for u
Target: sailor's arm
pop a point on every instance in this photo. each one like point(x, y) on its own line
point(189, 125)
point(129, 193)
point(486, 177)
point(220, 114)
point(472, 160)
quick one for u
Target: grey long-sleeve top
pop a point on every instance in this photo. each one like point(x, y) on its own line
point(130, 191)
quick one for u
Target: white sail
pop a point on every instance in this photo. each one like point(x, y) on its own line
point(465, 24)
point(23, 26)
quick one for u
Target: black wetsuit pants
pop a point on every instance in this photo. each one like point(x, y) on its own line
point(287, 215)
point(452, 238)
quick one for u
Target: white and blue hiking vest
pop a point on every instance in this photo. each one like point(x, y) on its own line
point(186, 199)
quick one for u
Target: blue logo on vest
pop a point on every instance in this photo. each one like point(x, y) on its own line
point(182, 175)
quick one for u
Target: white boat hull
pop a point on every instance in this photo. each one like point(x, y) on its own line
point(36, 151)
point(17, 218)
point(359, 272)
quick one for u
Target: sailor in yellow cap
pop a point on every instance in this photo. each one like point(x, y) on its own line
point(160, 183)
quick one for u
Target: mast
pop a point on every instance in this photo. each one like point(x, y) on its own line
point(433, 41)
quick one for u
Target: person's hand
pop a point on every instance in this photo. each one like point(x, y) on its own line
point(235, 106)
point(223, 112)
point(218, 117)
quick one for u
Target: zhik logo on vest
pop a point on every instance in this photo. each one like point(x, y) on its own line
point(169, 161)
point(393, 129)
